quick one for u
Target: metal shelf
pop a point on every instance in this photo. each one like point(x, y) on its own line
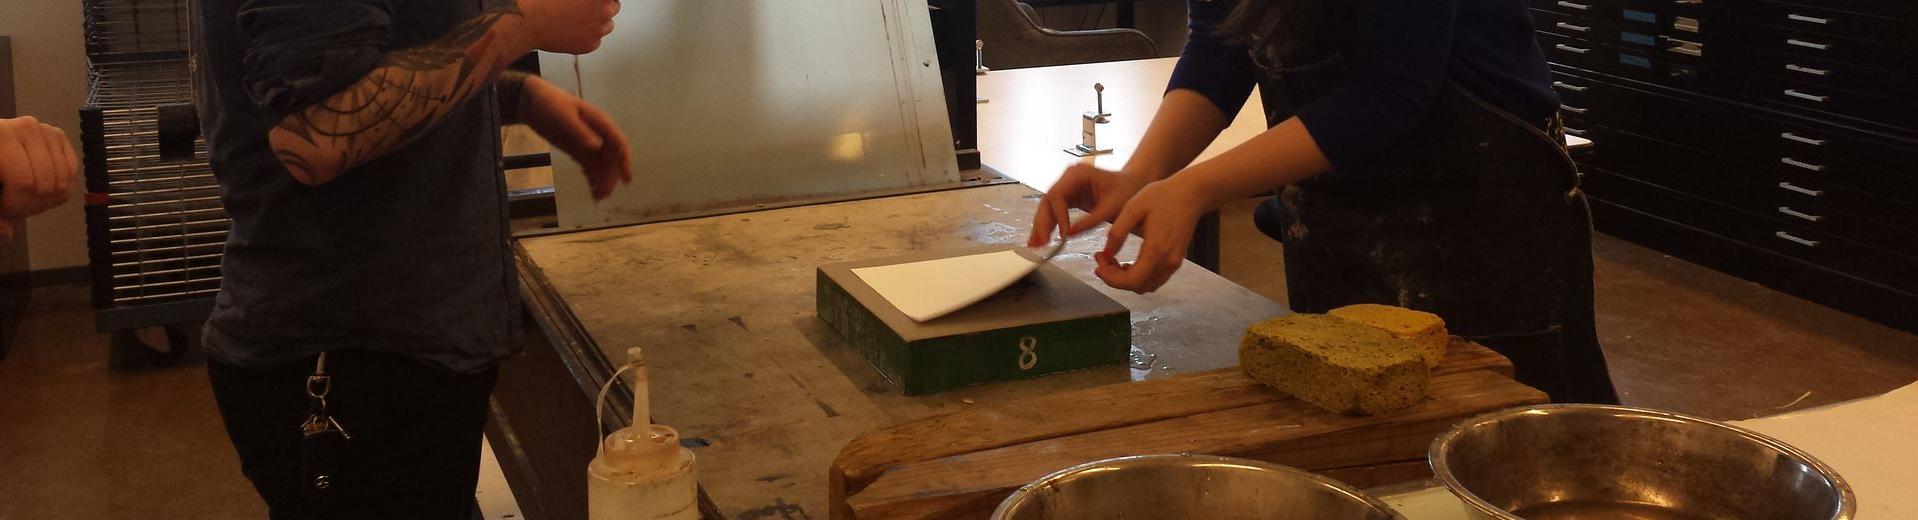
point(155, 226)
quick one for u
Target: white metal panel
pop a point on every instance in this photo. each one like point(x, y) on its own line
point(728, 103)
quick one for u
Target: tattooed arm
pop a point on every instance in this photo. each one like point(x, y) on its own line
point(339, 101)
point(402, 98)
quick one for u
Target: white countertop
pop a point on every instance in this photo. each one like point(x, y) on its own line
point(1871, 442)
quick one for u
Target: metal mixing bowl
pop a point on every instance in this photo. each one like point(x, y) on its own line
point(1590, 461)
point(1188, 486)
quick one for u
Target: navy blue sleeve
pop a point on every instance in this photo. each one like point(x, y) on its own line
point(1397, 55)
point(1209, 64)
point(299, 52)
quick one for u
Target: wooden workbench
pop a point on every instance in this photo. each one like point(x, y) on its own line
point(723, 307)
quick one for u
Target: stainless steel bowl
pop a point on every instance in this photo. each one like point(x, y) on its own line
point(1188, 486)
point(1589, 461)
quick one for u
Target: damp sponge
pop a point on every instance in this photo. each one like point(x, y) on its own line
point(1341, 365)
point(1424, 329)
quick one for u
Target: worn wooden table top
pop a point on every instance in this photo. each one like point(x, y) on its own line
point(724, 308)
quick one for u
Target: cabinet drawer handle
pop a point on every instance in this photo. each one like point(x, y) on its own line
point(1806, 44)
point(1799, 214)
point(1802, 164)
point(1788, 236)
point(1802, 139)
point(1687, 48)
point(1570, 27)
point(1569, 86)
point(1568, 48)
point(1573, 5)
point(1573, 109)
point(1808, 97)
point(1800, 189)
point(1807, 70)
point(1685, 23)
point(1808, 19)
point(1575, 131)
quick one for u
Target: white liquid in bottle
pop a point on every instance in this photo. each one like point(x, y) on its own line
point(642, 473)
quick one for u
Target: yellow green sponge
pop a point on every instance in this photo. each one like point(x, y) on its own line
point(1424, 329)
point(1341, 365)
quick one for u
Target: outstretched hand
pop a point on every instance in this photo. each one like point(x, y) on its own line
point(1099, 193)
point(584, 132)
point(37, 168)
point(1164, 214)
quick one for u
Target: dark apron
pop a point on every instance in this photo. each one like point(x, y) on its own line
point(1476, 216)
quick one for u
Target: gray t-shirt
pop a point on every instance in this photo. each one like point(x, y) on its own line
point(405, 254)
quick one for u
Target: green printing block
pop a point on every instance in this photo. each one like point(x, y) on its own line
point(1046, 324)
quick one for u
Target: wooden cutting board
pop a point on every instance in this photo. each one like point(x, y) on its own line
point(962, 465)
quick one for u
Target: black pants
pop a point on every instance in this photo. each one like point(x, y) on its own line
point(415, 433)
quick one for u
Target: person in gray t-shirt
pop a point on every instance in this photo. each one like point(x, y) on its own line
point(357, 147)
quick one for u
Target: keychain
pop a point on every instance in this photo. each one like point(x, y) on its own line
point(322, 438)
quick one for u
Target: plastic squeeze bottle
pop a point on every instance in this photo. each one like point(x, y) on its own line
point(641, 472)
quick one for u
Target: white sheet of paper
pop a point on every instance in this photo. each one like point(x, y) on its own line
point(1872, 442)
point(929, 289)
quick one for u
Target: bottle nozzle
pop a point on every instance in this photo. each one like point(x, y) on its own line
point(642, 403)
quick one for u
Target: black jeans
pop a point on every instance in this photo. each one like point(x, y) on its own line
point(415, 433)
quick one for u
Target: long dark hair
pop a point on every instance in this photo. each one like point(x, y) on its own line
point(1277, 29)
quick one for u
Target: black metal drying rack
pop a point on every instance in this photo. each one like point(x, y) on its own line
point(155, 228)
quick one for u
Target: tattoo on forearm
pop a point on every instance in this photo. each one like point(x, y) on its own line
point(406, 95)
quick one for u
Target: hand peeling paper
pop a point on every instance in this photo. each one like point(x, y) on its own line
point(928, 289)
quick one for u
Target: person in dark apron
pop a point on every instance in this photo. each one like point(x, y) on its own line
point(1417, 161)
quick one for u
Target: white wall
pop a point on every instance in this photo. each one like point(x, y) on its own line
point(50, 75)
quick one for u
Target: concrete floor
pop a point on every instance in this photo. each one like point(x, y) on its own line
point(78, 440)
